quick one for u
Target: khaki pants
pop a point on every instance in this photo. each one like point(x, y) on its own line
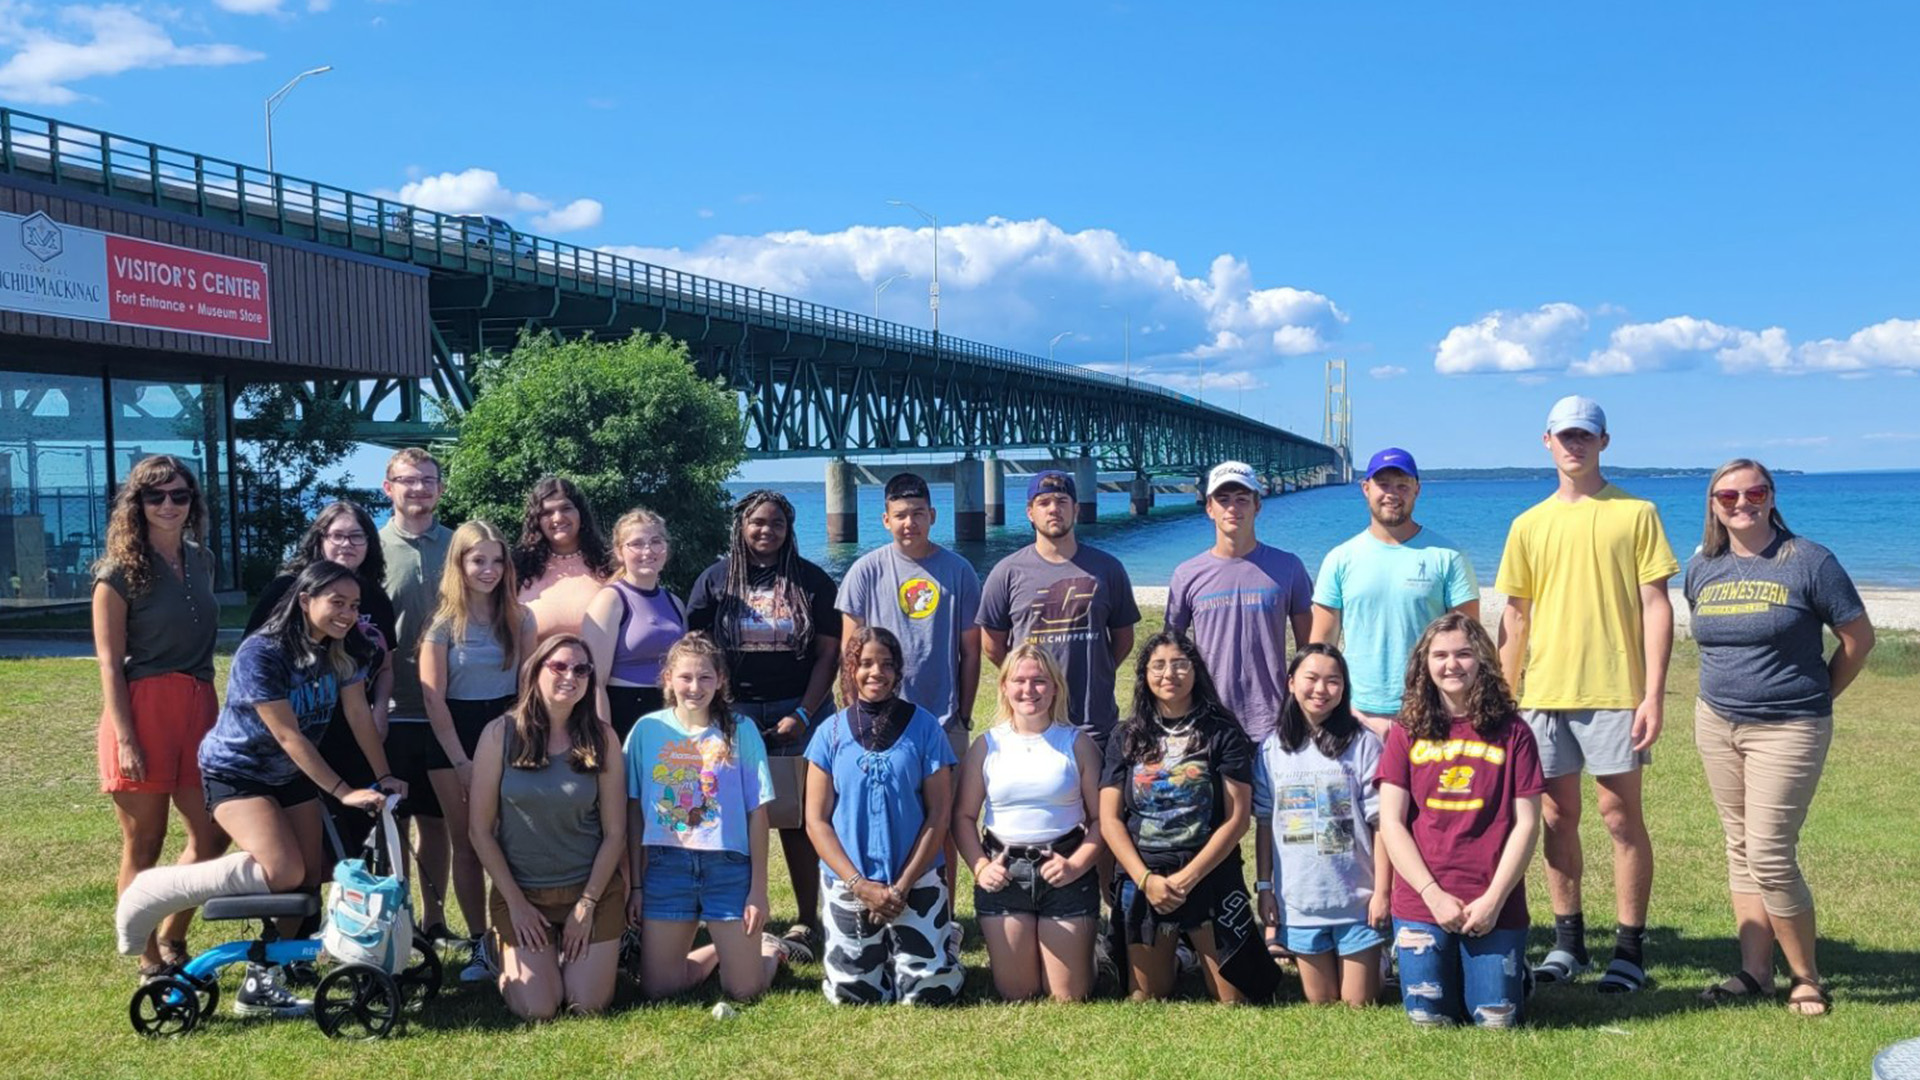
point(1763, 776)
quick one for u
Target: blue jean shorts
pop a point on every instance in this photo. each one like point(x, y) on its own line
point(691, 886)
point(1346, 939)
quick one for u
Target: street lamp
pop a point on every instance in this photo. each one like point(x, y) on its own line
point(1055, 340)
point(933, 290)
point(274, 103)
point(882, 287)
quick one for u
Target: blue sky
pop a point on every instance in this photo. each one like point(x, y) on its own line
point(1701, 215)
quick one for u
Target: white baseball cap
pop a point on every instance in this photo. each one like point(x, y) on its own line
point(1232, 472)
point(1574, 411)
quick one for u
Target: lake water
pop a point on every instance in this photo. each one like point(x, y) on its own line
point(1871, 521)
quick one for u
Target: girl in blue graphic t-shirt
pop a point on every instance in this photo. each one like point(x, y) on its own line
point(698, 787)
point(262, 772)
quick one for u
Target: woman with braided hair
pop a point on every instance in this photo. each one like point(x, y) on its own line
point(772, 612)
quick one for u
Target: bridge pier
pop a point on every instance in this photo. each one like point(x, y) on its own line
point(1086, 483)
point(969, 499)
point(843, 502)
point(994, 488)
point(1200, 488)
point(1142, 503)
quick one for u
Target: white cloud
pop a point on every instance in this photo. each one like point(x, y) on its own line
point(85, 42)
point(1387, 371)
point(1892, 436)
point(479, 191)
point(1675, 342)
point(1512, 341)
point(249, 7)
point(1018, 283)
point(578, 214)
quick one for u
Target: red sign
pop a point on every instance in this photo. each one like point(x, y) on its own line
point(175, 288)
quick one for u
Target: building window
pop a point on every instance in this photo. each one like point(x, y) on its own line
point(54, 476)
point(187, 419)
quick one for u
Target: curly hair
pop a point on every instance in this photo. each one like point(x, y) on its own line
point(1139, 732)
point(1489, 704)
point(847, 687)
point(530, 555)
point(126, 547)
point(312, 546)
point(529, 723)
point(698, 646)
point(786, 579)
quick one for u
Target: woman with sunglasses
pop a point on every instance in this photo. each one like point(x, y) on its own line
point(1760, 598)
point(154, 619)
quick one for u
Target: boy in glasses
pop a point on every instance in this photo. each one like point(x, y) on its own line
point(1584, 641)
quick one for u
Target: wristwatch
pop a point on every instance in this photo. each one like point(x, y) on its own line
point(1262, 886)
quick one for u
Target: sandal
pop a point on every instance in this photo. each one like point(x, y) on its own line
point(1623, 977)
point(150, 972)
point(1751, 991)
point(173, 951)
point(1559, 966)
point(1821, 997)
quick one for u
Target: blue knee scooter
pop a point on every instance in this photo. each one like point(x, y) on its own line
point(352, 1001)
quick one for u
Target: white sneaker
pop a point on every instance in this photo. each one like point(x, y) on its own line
point(264, 993)
point(956, 938)
point(480, 966)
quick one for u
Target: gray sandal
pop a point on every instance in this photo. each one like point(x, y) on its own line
point(1623, 977)
point(1559, 966)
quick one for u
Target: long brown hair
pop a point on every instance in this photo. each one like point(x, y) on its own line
point(126, 548)
point(529, 723)
point(453, 609)
point(1489, 704)
point(1713, 536)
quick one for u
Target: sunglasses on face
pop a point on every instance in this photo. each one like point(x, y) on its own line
point(561, 667)
point(176, 496)
point(1730, 498)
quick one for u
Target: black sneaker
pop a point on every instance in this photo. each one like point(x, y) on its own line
point(264, 993)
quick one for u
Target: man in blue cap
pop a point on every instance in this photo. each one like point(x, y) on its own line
point(1381, 588)
point(1071, 599)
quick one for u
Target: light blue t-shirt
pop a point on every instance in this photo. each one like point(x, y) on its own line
point(877, 810)
point(1386, 595)
point(1323, 813)
point(693, 790)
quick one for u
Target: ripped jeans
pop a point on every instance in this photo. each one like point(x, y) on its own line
point(1448, 978)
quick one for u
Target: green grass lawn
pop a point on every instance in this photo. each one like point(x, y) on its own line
point(63, 991)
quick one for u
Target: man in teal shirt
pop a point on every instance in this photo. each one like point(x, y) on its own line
point(1385, 585)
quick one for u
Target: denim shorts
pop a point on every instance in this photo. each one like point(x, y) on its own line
point(1346, 939)
point(1027, 893)
point(690, 886)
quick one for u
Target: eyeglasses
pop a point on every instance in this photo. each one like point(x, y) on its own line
point(1177, 667)
point(352, 539)
point(415, 481)
point(1758, 496)
point(647, 544)
point(561, 667)
point(176, 496)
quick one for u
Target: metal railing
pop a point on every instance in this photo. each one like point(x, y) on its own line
point(160, 176)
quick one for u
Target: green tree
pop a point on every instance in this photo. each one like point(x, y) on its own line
point(287, 439)
point(629, 421)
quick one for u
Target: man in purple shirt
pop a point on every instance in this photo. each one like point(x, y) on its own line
point(1236, 600)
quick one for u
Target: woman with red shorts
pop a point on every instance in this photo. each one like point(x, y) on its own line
point(154, 619)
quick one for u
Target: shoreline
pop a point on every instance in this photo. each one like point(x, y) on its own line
point(1890, 609)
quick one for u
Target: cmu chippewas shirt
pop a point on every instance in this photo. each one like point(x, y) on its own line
point(1462, 792)
point(1069, 609)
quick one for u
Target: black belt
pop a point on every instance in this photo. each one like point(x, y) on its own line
point(1062, 845)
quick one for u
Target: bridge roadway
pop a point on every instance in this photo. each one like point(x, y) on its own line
point(815, 380)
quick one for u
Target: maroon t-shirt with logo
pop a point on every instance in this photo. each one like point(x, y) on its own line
point(1462, 793)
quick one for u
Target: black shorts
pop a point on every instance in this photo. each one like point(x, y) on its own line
point(1141, 925)
point(225, 787)
point(411, 752)
point(470, 718)
point(629, 704)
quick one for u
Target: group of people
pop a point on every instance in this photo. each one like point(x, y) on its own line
point(594, 766)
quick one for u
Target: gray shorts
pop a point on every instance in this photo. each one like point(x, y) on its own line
point(1598, 740)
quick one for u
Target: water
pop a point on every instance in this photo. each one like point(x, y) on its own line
point(1871, 521)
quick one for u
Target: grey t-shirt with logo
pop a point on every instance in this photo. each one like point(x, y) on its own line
point(1070, 609)
point(927, 604)
point(1758, 621)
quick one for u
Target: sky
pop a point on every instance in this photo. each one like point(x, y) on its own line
point(1700, 215)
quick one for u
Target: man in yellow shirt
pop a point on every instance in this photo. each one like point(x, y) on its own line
point(1584, 642)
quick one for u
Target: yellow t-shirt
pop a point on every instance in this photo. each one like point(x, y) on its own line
point(1582, 564)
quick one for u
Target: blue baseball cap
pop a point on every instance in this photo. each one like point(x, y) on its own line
point(1052, 480)
point(1393, 458)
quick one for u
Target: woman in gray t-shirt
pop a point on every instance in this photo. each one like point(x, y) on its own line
point(1760, 599)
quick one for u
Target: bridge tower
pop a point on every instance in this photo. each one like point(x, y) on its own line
point(1336, 428)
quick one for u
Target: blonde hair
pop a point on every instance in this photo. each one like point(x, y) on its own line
point(1057, 713)
point(631, 521)
point(1713, 536)
point(455, 609)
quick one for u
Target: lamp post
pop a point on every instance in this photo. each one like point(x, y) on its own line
point(1055, 340)
point(274, 103)
point(882, 287)
point(933, 289)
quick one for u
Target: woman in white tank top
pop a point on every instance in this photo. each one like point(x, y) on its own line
point(1033, 782)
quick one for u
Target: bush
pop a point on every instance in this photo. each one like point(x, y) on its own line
point(629, 421)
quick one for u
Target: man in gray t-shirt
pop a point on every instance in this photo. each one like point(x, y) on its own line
point(928, 597)
point(1073, 600)
point(415, 546)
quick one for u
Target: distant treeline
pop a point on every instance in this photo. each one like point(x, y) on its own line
point(1516, 473)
